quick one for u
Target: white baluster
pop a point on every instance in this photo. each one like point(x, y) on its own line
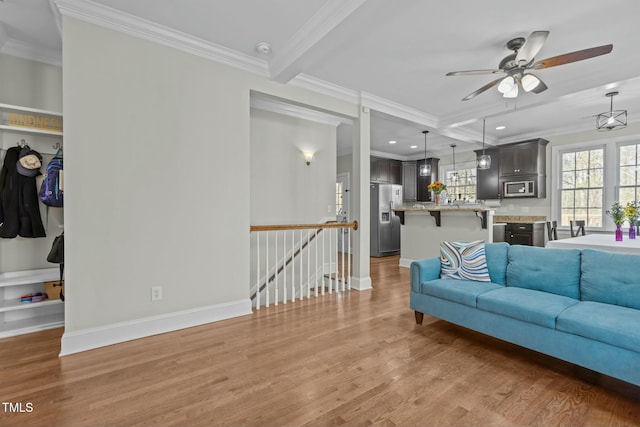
point(335, 251)
point(331, 282)
point(275, 262)
point(341, 231)
point(322, 273)
point(266, 288)
point(300, 256)
point(308, 266)
point(284, 267)
point(258, 271)
point(349, 258)
point(315, 245)
point(293, 266)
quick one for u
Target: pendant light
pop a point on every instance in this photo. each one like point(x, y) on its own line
point(611, 120)
point(425, 170)
point(454, 175)
point(484, 161)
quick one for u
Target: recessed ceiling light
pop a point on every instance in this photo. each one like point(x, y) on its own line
point(414, 146)
point(392, 142)
point(500, 127)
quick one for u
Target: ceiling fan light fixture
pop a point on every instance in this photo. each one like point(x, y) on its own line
point(529, 82)
point(513, 93)
point(506, 85)
point(612, 119)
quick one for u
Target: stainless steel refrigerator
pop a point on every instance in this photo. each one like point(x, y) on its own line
point(385, 225)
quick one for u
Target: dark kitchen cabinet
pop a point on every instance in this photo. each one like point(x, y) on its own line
point(488, 180)
point(423, 194)
point(523, 158)
point(409, 181)
point(385, 170)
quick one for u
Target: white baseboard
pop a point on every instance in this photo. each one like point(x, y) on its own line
point(405, 262)
point(361, 283)
point(87, 339)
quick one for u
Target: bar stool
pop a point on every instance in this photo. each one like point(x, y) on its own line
point(552, 230)
point(580, 223)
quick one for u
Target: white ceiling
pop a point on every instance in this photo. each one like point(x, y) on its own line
point(394, 54)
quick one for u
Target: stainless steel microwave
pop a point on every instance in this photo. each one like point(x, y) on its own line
point(519, 189)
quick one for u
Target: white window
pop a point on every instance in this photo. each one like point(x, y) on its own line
point(589, 177)
point(629, 183)
point(582, 186)
point(464, 187)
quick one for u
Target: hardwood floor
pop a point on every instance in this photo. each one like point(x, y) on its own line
point(348, 359)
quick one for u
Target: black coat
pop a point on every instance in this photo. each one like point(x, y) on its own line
point(19, 205)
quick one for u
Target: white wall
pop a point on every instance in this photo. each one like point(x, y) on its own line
point(165, 138)
point(30, 84)
point(284, 190)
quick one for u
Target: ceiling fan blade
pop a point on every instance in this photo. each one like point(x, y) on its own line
point(482, 89)
point(570, 57)
point(531, 47)
point(473, 72)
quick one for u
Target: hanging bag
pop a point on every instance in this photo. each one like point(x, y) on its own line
point(51, 190)
point(56, 256)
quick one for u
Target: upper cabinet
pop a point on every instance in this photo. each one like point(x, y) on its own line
point(385, 170)
point(523, 158)
point(409, 181)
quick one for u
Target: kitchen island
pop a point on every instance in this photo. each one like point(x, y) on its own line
point(425, 226)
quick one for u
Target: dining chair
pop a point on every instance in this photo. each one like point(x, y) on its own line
point(579, 224)
point(552, 230)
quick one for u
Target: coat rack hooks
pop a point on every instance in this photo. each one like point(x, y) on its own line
point(57, 146)
point(22, 143)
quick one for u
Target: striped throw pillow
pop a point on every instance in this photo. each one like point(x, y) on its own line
point(464, 261)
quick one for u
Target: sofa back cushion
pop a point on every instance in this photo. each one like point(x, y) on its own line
point(496, 254)
point(610, 278)
point(545, 269)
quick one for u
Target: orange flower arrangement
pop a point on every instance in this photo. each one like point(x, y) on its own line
point(437, 187)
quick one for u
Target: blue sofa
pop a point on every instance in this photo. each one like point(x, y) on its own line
point(582, 306)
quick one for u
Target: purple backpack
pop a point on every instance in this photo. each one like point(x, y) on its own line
point(51, 189)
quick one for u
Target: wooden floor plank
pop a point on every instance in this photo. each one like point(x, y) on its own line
point(353, 359)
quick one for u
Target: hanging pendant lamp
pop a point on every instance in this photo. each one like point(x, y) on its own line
point(454, 175)
point(611, 120)
point(484, 160)
point(425, 170)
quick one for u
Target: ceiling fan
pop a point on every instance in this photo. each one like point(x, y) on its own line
point(517, 65)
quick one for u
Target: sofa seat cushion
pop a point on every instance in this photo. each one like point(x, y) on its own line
point(541, 308)
point(610, 278)
point(460, 291)
point(606, 323)
point(545, 269)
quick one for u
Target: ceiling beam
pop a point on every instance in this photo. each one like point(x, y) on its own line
point(287, 63)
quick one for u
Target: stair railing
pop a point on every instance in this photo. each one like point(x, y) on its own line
point(286, 261)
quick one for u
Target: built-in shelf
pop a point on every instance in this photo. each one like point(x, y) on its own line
point(17, 278)
point(17, 317)
point(40, 119)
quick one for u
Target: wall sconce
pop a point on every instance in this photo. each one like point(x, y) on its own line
point(308, 156)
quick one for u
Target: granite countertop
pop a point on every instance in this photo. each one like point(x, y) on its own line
point(520, 219)
point(464, 208)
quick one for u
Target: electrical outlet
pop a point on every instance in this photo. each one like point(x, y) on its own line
point(156, 293)
point(329, 209)
point(525, 209)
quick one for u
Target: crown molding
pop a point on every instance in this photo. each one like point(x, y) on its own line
point(308, 82)
point(327, 18)
point(398, 110)
point(294, 111)
point(113, 19)
point(57, 16)
point(28, 51)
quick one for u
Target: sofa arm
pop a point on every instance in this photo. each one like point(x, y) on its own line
point(424, 270)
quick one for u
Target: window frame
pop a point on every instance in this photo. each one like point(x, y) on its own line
point(442, 172)
point(610, 179)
